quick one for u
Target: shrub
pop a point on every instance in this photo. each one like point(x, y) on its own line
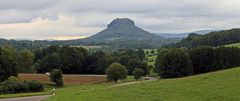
point(138, 73)
point(56, 77)
point(115, 72)
point(34, 86)
point(14, 85)
point(13, 78)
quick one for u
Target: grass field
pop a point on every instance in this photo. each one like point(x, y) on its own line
point(216, 86)
point(233, 45)
point(68, 79)
point(150, 57)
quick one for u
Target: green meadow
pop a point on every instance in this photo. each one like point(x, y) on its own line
point(215, 86)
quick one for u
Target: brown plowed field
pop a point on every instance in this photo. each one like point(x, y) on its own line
point(68, 79)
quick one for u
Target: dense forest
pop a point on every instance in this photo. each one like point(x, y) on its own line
point(180, 62)
point(70, 60)
point(217, 38)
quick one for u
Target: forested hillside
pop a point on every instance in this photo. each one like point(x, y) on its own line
point(211, 39)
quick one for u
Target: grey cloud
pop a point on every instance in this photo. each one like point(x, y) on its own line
point(92, 15)
point(27, 4)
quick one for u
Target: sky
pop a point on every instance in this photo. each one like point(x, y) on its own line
point(72, 19)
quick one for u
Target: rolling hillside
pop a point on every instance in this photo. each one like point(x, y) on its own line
point(217, 38)
point(216, 86)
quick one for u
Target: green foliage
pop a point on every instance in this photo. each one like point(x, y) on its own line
point(152, 51)
point(76, 60)
point(132, 64)
point(7, 63)
point(202, 59)
point(211, 39)
point(68, 59)
point(25, 44)
point(226, 57)
point(147, 52)
point(34, 86)
point(173, 63)
point(233, 45)
point(141, 54)
point(217, 86)
point(14, 85)
point(207, 59)
point(115, 72)
point(13, 78)
point(25, 61)
point(56, 77)
point(124, 60)
point(49, 62)
point(138, 73)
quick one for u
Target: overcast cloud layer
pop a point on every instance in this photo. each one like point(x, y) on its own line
point(68, 19)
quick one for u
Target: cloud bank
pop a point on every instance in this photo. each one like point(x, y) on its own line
point(71, 19)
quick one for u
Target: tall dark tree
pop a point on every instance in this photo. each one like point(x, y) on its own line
point(202, 59)
point(124, 60)
point(173, 63)
point(25, 61)
point(72, 59)
point(50, 62)
point(141, 54)
point(132, 64)
point(7, 65)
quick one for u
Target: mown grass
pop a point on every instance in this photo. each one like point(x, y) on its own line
point(216, 86)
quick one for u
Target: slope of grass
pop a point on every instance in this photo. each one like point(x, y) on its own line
point(216, 86)
point(233, 45)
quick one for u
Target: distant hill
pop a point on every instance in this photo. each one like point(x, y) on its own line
point(217, 38)
point(121, 29)
point(183, 35)
point(123, 33)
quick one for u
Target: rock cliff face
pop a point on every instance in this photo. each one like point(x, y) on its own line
point(121, 22)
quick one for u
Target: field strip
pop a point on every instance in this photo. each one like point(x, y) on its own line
point(118, 85)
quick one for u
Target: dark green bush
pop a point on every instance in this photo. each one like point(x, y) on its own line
point(13, 85)
point(34, 86)
point(56, 77)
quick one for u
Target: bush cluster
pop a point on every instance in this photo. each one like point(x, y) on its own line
point(14, 85)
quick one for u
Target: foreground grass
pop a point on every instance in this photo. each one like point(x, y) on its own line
point(217, 86)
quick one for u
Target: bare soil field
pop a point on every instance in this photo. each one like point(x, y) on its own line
point(68, 79)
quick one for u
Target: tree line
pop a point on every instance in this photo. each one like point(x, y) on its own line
point(77, 60)
point(217, 38)
point(180, 62)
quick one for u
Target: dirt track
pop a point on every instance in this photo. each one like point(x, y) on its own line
point(68, 79)
point(33, 98)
